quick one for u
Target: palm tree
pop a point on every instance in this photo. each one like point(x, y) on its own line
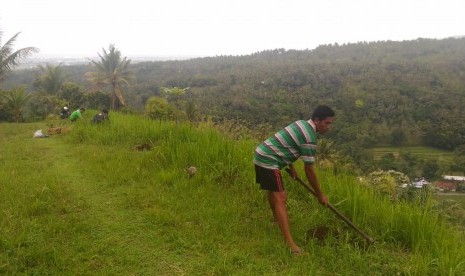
point(176, 92)
point(51, 80)
point(326, 153)
point(112, 71)
point(15, 100)
point(9, 58)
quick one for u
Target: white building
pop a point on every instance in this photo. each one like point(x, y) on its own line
point(453, 177)
point(419, 183)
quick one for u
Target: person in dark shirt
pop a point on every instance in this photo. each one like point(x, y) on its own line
point(100, 117)
point(64, 113)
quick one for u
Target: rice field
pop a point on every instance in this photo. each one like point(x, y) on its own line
point(417, 151)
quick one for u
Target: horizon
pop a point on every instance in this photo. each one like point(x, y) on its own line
point(168, 57)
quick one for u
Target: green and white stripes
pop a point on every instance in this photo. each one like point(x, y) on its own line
point(286, 146)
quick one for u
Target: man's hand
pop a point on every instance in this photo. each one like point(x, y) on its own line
point(293, 172)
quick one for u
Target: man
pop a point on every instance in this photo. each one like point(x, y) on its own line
point(64, 113)
point(283, 149)
point(76, 114)
point(100, 117)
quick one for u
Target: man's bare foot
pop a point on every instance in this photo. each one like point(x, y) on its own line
point(295, 250)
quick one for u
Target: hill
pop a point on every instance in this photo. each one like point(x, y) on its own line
point(89, 202)
point(385, 93)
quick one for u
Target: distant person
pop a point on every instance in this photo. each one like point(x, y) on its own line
point(100, 117)
point(76, 114)
point(64, 113)
point(283, 149)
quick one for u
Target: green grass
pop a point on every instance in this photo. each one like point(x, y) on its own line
point(456, 197)
point(87, 203)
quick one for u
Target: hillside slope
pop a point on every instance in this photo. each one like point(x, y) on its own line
point(88, 202)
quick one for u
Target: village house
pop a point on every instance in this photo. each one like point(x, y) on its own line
point(450, 183)
point(419, 183)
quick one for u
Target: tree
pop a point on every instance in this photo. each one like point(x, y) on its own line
point(9, 58)
point(459, 159)
point(73, 95)
point(431, 170)
point(192, 112)
point(387, 182)
point(175, 92)
point(15, 101)
point(96, 100)
point(112, 71)
point(326, 152)
point(49, 83)
point(42, 104)
point(157, 108)
point(397, 137)
point(51, 79)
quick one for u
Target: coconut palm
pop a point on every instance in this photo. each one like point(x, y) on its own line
point(326, 153)
point(15, 101)
point(10, 58)
point(112, 71)
point(51, 79)
point(176, 92)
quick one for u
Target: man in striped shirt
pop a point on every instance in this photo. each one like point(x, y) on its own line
point(283, 149)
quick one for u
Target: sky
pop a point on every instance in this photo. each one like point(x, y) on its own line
point(195, 28)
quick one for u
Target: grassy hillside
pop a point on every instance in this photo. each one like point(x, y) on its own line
point(89, 202)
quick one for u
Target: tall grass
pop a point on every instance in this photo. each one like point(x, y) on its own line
point(413, 226)
point(175, 145)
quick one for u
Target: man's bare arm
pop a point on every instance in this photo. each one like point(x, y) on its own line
point(312, 178)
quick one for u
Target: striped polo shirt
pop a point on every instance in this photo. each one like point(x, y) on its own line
point(286, 146)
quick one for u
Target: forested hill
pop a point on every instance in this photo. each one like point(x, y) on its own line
point(409, 92)
point(384, 93)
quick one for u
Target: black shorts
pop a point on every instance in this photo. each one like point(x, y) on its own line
point(269, 180)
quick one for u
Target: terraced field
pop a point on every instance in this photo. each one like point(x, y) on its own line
point(421, 152)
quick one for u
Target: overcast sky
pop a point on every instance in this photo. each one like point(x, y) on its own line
point(220, 27)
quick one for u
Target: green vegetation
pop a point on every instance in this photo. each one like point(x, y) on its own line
point(385, 93)
point(416, 161)
point(458, 198)
point(89, 202)
point(452, 207)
